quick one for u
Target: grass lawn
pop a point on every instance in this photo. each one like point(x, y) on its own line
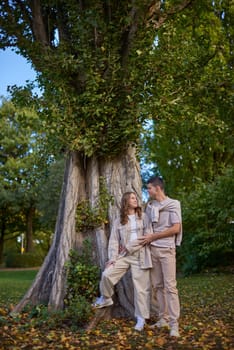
point(206, 321)
point(13, 285)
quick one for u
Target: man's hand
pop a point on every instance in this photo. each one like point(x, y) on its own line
point(147, 239)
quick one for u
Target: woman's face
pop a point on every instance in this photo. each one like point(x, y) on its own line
point(132, 201)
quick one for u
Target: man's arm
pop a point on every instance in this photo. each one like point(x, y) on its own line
point(171, 231)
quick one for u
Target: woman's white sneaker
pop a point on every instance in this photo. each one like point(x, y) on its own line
point(102, 302)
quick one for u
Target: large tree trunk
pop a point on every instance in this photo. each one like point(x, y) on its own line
point(81, 181)
point(121, 175)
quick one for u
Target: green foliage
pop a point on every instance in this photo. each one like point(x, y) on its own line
point(88, 217)
point(23, 260)
point(27, 170)
point(92, 68)
point(192, 96)
point(79, 311)
point(21, 149)
point(82, 285)
point(75, 315)
point(208, 225)
point(82, 275)
point(84, 280)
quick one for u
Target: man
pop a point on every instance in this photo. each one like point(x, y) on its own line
point(165, 215)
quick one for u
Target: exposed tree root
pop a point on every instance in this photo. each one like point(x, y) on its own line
point(100, 315)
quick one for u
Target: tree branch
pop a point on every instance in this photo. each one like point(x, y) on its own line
point(157, 18)
point(128, 36)
point(38, 25)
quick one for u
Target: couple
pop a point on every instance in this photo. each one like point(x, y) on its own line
point(145, 242)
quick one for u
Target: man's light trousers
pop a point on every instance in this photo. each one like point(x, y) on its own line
point(163, 276)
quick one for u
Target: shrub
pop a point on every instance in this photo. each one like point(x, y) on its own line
point(82, 285)
point(208, 225)
point(78, 311)
point(23, 260)
point(75, 315)
point(82, 275)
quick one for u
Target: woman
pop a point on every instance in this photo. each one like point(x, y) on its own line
point(125, 252)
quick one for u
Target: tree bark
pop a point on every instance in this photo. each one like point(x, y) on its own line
point(82, 181)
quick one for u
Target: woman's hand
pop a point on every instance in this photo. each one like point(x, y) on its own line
point(109, 263)
point(122, 250)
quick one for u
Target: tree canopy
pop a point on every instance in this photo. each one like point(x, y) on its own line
point(93, 61)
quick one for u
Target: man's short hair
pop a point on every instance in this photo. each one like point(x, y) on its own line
point(156, 181)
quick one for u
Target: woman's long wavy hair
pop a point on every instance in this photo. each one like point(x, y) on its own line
point(125, 206)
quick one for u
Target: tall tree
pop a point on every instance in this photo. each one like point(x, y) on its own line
point(93, 59)
point(192, 103)
point(22, 168)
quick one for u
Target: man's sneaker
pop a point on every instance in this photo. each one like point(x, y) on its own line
point(174, 332)
point(140, 324)
point(160, 324)
point(102, 302)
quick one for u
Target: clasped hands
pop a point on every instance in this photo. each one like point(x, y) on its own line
point(143, 240)
point(147, 239)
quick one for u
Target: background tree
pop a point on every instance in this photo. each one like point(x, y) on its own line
point(192, 102)
point(16, 171)
point(191, 135)
point(208, 224)
point(24, 168)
